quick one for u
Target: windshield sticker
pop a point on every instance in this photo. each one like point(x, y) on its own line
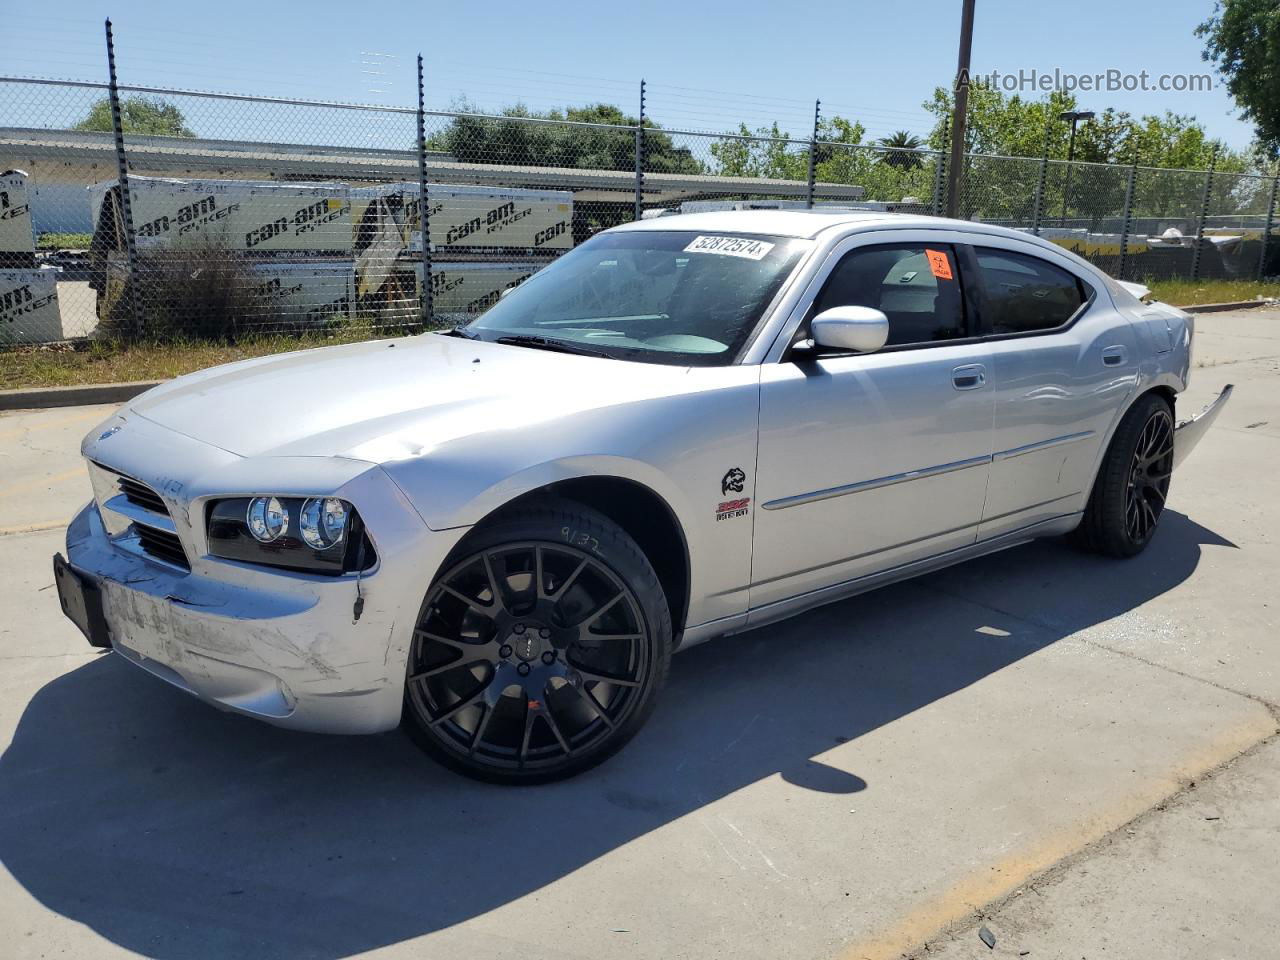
point(730, 247)
point(939, 264)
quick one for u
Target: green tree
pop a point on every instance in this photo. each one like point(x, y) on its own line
point(841, 156)
point(768, 154)
point(147, 116)
point(901, 146)
point(511, 138)
point(1009, 126)
point(1004, 128)
point(1242, 39)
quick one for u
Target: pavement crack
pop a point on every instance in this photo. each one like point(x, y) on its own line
point(1270, 706)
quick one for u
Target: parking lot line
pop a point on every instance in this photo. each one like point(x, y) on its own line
point(38, 527)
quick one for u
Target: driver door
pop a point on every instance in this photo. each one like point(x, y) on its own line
point(870, 461)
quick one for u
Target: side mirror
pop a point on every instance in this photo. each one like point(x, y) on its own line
point(861, 329)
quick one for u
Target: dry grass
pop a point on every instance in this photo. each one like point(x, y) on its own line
point(1189, 293)
point(103, 362)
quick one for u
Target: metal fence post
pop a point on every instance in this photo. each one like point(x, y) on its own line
point(1126, 220)
point(813, 155)
point(126, 207)
point(1037, 213)
point(1204, 215)
point(640, 156)
point(424, 205)
point(940, 171)
point(1266, 230)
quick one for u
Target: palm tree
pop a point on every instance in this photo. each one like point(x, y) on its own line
point(900, 150)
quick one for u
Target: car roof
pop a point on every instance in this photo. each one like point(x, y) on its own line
point(808, 224)
point(779, 223)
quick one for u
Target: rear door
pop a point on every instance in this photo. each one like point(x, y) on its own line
point(1063, 363)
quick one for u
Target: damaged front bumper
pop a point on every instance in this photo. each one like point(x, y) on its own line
point(1189, 432)
point(285, 648)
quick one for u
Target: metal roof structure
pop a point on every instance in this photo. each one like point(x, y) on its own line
point(168, 156)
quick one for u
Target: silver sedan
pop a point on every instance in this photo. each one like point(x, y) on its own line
point(685, 428)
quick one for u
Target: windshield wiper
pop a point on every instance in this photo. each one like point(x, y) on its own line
point(461, 332)
point(548, 343)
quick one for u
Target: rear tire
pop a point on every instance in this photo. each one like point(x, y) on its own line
point(540, 648)
point(1129, 493)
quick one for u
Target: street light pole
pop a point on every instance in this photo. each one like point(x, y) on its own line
point(1075, 116)
point(954, 168)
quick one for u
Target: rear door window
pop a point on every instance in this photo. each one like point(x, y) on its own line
point(1025, 294)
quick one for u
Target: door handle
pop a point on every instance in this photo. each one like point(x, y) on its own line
point(1114, 356)
point(972, 376)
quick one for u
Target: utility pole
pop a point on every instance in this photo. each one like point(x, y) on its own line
point(961, 110)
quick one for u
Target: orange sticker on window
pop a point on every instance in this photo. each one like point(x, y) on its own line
point(939, 264)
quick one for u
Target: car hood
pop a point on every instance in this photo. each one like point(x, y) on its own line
point(390, 399)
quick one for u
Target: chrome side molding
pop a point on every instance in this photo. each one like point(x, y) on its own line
point(794, 501)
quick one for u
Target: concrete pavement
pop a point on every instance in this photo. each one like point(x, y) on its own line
point(1195, 877)
point(851, 783)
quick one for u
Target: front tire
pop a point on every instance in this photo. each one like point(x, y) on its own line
point(1133, 483)
point(540, 649)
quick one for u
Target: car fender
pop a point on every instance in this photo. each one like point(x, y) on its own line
point(487, 500)
point(696, 453)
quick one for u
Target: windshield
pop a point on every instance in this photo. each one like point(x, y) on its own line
point(675, 297)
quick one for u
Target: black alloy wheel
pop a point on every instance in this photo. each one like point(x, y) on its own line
point(537, 656)
point(1132, 485)
point(1149, 476)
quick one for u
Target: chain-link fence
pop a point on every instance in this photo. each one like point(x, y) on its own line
point(240, 214)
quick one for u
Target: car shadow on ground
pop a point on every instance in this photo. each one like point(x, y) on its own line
point(177, 831)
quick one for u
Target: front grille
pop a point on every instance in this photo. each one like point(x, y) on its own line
point(140, 495)
point(146, 517)
point(162, 545)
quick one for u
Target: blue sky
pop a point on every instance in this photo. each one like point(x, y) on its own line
point(709, 65)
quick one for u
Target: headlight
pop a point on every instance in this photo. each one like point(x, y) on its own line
point(312, 534)
point(324, 522)
point(267, 519)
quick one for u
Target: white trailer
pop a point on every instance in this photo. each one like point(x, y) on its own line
point(17, 241)
point(308, 293)
point(459, 289)
point(29, 306)
point(242, 215)
point(467, 289)
point(262, 217)
point(464, 217)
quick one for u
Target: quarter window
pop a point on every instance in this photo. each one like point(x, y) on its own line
point(917, 287)
point(1025, 294)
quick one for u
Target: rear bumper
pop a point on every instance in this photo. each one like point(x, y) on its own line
point(284, 648)
point(1189, 432)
